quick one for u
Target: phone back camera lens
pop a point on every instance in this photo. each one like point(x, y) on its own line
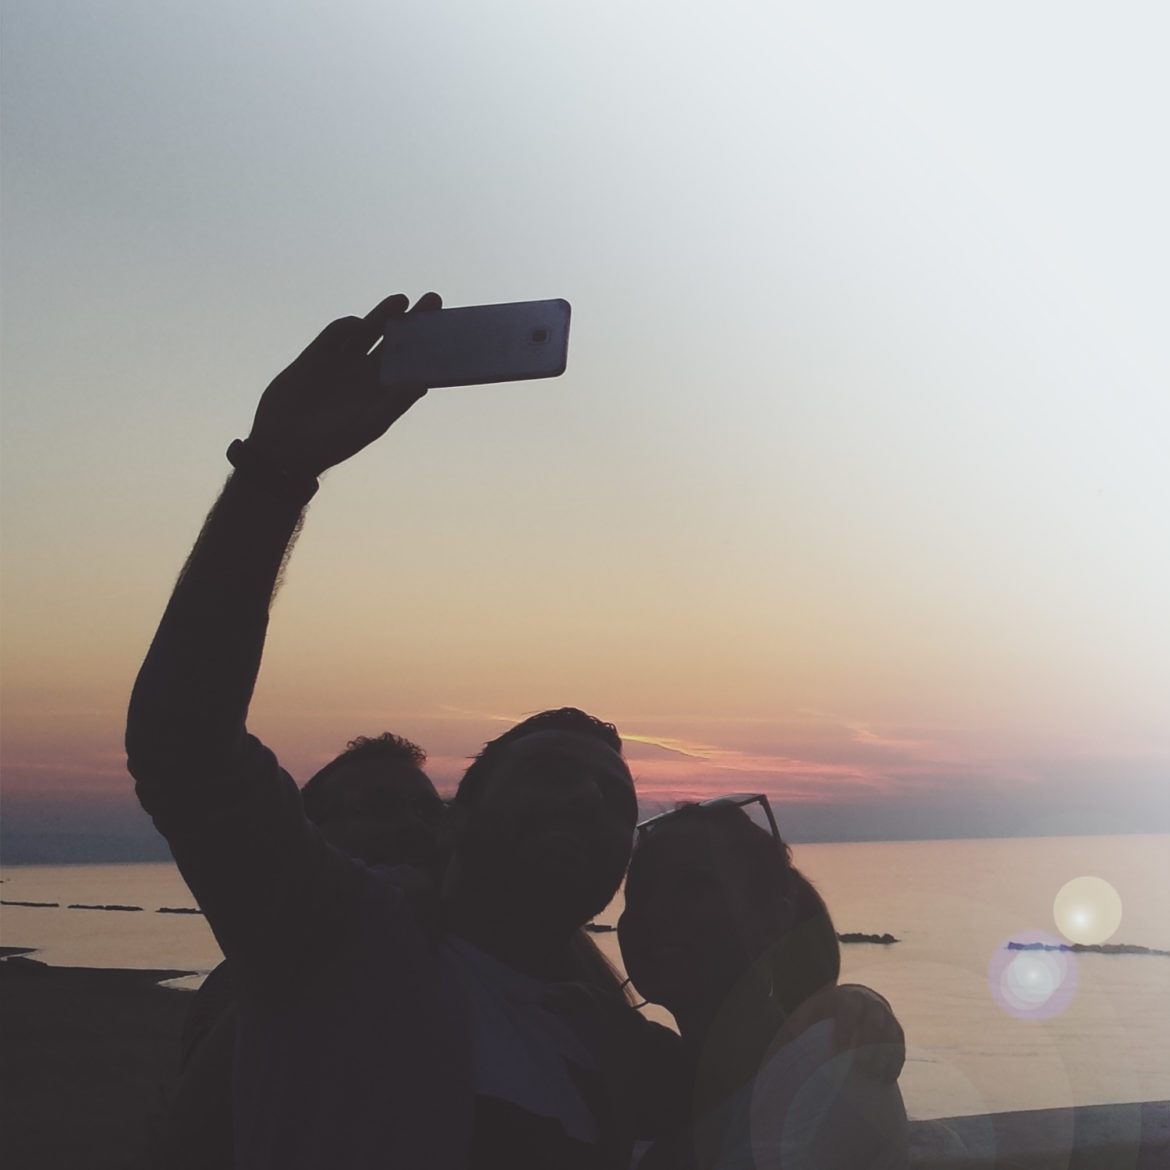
point(539, 335)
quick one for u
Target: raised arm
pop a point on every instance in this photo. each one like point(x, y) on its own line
point(185, 735)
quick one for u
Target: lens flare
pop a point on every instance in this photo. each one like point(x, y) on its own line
point(1032, 984)
point(1087, 910)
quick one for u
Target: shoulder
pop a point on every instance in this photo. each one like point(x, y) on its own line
point(813, 1106)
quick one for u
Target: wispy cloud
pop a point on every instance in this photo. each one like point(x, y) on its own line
point(449, 711)
point(696, 765)
point(864, 733)
point(839, 757)
point(843, 759)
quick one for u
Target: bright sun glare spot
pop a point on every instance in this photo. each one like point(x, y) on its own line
point(1033, 984)
point(1087, 910)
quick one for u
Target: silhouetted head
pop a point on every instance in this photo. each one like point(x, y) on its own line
point(707, 895)
point(544, 820)
point(375, 802)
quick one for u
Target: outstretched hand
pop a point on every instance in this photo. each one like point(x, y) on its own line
point(329, 404)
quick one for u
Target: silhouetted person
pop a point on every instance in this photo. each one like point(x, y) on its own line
point(371, 1033)
point(376, 804)
point(723, 930)
point(374, 1029)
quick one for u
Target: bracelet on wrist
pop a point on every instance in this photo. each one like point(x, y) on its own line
point(259, 470)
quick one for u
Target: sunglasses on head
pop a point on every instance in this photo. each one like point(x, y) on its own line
point(737, 800)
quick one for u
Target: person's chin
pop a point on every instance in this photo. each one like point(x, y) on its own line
point(565, 905)
point(569, 869)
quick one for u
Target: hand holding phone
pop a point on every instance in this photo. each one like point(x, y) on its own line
point(328, 404)
point(476, 345)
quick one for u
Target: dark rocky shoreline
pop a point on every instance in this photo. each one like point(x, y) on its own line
point(87, 1058)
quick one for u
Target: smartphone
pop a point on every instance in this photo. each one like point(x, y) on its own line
point(476, 345)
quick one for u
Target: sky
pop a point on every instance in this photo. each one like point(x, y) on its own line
point(855, 490)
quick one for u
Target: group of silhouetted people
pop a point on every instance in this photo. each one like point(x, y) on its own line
point(407, 983)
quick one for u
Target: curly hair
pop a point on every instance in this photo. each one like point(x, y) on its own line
point(388, 745)
point(318, 796)
point(557, 719)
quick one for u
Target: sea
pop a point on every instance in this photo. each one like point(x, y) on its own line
point(989, 1028)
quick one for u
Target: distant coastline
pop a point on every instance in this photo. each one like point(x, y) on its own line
point(1088, 948)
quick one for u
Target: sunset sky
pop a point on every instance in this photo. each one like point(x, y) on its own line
point(855, 491)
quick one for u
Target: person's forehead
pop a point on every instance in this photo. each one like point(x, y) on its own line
point(572, 744)
point(399, 776)
point(689, 844)
point(575, 743)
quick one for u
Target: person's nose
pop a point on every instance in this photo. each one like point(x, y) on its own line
point(570, 795)
point(655, 910)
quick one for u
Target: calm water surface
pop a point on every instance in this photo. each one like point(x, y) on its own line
point(953, 905)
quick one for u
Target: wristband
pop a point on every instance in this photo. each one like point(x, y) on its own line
point(257, 469)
